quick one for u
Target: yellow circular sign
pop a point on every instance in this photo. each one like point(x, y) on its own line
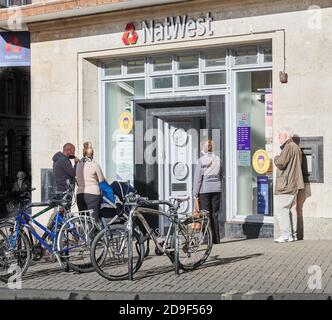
point(261, 161)
point(126, 122)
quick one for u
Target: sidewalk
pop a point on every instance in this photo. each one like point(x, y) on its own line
point(236, 269)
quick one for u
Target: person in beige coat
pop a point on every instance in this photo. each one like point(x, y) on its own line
point(88, 177)
point(289, 180)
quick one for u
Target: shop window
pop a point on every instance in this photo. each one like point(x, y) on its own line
point(191, 80)
point(217, 78)
point(245, 55)
point(162, 64)
point(119, 146)
point(216, 59)
point(162, 83)
point(135, 66)
point(188, 62)
point(113, 68)
point(254, 143)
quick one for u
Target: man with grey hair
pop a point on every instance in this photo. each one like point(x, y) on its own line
point(289, 180)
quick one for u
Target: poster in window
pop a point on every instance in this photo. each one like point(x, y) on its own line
point(125, 157)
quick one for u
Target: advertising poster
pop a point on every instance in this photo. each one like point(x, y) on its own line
point(268, 123)
point(14, 49)
point(243, 139)
point(262, 195)
point(125, 157)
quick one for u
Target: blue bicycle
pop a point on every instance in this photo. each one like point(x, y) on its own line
point(69, 237)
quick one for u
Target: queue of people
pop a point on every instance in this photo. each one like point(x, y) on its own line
point(207, 186)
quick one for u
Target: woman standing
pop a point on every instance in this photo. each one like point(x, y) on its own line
point(207, 185)
point(88, 176)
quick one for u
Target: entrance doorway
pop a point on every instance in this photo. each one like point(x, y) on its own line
point(167, 146)
point(179, 151)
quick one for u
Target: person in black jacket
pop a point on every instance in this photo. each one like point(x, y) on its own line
point(63, 168)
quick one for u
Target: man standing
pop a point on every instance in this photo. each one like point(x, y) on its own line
point(63, 170)
point(289, 180)
point(62, 167)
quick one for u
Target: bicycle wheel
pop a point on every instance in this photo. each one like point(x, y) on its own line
point(74, 241)
point(15, 251)
point(194, 245)
point(112, 244)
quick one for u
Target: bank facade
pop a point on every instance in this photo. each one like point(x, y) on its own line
point(147, 85)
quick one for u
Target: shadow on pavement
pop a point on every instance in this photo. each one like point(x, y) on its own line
point(216, 261)
point(212, 262)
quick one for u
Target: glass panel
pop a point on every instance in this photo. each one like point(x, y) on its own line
point(113, 68)
point(118, 134)
point(162, 64)
point(188, 62)
point(254, 132)
point(135, 66)
point(162, 83)
point(245, 55)
point(215, 59)
point(215, 78)
point(267, 51)
point(188, 80)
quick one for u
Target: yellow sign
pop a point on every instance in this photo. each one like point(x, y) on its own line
point(261, 161)
point(125, 122)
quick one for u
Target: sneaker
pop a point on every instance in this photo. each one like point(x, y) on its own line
point(291, 239)
point(281, 240)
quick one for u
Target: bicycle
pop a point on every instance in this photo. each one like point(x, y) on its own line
point(115, 243)
point(67, 235)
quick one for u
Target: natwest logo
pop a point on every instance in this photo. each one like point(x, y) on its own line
point(13, 45)
point(129, 36)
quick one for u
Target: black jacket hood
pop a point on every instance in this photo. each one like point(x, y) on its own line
point(59, 155)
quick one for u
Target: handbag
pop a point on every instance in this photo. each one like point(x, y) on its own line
point(196, 225)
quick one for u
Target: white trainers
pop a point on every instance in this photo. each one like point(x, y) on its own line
point(281, 240)
point(291, 239)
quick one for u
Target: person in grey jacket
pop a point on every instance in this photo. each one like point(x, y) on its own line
point(207, 185)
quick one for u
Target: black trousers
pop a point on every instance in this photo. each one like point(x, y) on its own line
point(211, 203)
point(87, 201)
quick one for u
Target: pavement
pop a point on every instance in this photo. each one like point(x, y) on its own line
point(236, 269)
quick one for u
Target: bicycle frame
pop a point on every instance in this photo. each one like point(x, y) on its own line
point(23, 220)
point(139, 213)
point(173, 218)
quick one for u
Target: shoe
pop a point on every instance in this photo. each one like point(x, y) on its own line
point(291, 239)
point(281, 240)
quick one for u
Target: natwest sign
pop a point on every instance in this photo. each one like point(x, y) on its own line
point(179, 27)
point(130, 35)
point(171, 28)
point(14, 49)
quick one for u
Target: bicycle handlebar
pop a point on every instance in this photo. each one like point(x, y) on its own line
point(138, 200)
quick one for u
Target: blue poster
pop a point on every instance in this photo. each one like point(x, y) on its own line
point(243, 138)
point(14, 49)
point(263, 195)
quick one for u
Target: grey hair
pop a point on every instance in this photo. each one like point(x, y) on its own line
point(289, 132)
